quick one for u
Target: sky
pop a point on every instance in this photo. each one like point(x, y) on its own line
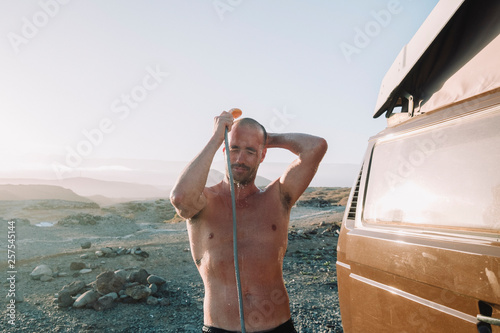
point(87, 80)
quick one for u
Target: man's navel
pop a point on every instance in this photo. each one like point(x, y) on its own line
point(211, 235)
point(273, 227)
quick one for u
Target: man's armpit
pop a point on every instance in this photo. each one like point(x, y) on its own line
point(286, 200)
point(194, 219)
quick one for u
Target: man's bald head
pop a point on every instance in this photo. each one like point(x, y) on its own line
point(252, 123)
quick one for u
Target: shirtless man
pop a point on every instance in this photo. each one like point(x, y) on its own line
point(262, 224)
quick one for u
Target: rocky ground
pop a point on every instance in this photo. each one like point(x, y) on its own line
point(133, 241)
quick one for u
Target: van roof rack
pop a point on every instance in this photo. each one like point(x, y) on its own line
point(452, 57)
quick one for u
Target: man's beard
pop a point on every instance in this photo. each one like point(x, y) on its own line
point(246, 178)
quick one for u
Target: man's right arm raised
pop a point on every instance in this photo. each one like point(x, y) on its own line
point(187, 195)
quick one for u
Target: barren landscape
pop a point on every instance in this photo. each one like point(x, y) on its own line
point(80, 241)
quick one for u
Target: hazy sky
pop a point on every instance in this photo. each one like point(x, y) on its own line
point(144, 79)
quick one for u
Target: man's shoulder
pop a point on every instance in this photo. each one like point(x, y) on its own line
point(272, 186)
point(276, 188)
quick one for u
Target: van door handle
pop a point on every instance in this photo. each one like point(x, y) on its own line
point(488, 320)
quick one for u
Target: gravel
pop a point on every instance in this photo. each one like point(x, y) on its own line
point(309, 273)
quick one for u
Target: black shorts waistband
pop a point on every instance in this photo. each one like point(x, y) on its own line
point(286, 327)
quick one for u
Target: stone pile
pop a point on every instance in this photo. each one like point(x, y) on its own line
point(44, 273)
point(323, 229)
point(111, 287)
point(110, 252)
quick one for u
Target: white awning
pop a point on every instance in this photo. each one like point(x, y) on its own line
point(452, 57)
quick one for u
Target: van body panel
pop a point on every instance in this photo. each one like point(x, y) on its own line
point(422, 277)
point(419, 246)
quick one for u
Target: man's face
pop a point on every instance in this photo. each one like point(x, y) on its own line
point(246, 151)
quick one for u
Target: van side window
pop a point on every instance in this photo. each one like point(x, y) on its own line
point(447, 175)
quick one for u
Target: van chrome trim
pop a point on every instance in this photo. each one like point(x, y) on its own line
point(417, 299)
point(346, 266)
point(447, 239)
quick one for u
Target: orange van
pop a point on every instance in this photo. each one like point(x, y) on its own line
point(419, 247)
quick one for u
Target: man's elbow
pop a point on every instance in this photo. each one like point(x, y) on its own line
point(321, 147)
point(177, 199)
point(181, 205)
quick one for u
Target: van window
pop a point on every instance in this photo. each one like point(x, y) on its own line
point(447, 175)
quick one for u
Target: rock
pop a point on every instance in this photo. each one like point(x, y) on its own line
point(109, 282)
point(154, 288)
point(84, 256)
point(151, 300)
point(130, 285)
point(162, 289)
point(86, 245)
point(85, 271)
point(156, 279)
point(76, 266)
point(112, 295)
point(140, 276)
point(86, 298)
point(123, 273)
point(121, 251)
point(106, 250)
point(138, 252)
point(99, 254)
point(103, 303)
point(138, 292)
point(64, 299)
point(73, 288)
point(40, 271)
point(46, 278)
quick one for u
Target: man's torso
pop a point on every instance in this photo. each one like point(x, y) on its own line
point(262, 225)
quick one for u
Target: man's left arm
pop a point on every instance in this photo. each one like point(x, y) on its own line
point(309, 150)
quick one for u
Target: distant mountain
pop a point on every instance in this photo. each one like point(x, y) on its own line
point(100, 191)
point(38, 192)
point(88, 187)
point(163, 174)
point(112, 181)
